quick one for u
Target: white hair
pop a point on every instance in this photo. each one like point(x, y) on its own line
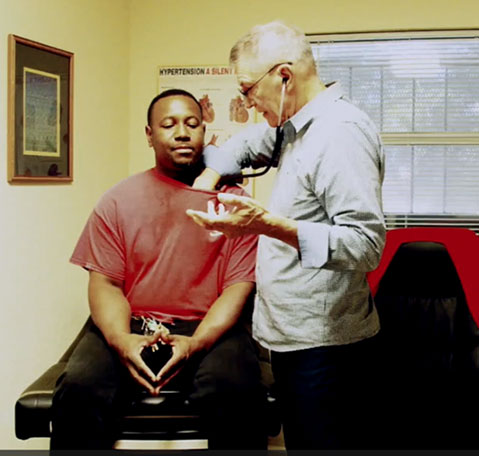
point(269, 44)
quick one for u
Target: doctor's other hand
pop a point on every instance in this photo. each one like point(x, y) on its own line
point(243, 216)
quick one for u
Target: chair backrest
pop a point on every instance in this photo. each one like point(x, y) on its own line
point(421, 269)
point(429, 340)
point(421, 303)
point(462, 246)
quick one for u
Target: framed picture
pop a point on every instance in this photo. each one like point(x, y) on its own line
point(40, 108)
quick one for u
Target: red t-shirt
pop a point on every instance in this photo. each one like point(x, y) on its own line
point(170, 267)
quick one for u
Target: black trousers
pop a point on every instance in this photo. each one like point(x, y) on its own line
point(224, 384)
point(327, 396)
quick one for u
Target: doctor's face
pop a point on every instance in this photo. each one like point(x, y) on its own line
point(262, 91)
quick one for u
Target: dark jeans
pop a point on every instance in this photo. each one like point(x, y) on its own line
point(327, 396)
point(224, 385)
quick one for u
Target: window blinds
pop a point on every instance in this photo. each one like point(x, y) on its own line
point(422, 91)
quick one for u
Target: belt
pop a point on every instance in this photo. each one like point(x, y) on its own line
point(147, 325)
point(176, 326)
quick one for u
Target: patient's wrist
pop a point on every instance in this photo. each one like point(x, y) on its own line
point(117, 339)
point(200, 343)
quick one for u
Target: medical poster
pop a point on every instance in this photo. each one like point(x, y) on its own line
point(215, 86)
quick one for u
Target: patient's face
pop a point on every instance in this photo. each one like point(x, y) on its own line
point(176, 134)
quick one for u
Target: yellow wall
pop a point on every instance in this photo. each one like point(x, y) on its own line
point(118, 45)
point(189, 32)
point(42, 297)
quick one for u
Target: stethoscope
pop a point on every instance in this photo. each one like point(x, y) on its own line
point(277, 143)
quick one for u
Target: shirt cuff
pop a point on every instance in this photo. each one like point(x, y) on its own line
point(313, 239)
point(222, 162)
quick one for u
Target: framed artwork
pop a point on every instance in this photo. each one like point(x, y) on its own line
point(40, 111)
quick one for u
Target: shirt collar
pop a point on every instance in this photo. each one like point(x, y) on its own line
point(317, 107)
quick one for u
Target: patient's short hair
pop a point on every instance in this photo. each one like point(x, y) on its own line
point(171, 93)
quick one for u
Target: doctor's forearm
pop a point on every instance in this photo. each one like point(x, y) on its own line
point(207, 180)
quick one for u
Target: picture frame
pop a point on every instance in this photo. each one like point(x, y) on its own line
point(40, 112)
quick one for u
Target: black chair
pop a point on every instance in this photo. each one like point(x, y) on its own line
point(156, 421)
point(429, 372)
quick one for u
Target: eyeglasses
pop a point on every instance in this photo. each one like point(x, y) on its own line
point(277, 143)
point(247, 91)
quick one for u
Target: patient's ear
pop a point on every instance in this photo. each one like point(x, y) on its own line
point(148, 135)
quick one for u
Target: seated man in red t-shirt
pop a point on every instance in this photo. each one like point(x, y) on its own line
point(149, 264)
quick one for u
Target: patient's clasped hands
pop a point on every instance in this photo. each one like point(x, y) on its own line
point(131, 346)
point(244, 216)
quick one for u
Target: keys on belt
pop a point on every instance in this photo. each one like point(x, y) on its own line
point(151, 327)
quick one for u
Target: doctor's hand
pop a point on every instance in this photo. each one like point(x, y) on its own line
point(243, 216)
